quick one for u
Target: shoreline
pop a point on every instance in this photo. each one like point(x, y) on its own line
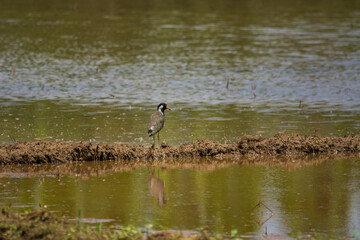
point(40, 152)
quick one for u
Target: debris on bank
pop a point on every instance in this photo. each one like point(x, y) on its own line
point(248, 146)
point(43, 224)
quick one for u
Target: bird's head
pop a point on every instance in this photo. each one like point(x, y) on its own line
point(162, 107)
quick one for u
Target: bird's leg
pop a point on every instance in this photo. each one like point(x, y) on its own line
point(150, 169)
point(159, 140)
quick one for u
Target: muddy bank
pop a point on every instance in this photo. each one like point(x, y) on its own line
point(43, 224)
point(248, 146)
point(84, 170)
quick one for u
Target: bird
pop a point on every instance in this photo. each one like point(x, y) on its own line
point(157, 121)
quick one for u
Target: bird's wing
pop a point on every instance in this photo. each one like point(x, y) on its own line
point(156, 123)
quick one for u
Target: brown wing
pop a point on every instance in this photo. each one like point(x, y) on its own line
point(156, 123)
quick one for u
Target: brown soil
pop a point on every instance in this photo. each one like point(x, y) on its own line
point(248, 146)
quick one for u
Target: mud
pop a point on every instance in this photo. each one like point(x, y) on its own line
point(248, 147)
point(39, 224)
point(84, 170)
point(43, 224)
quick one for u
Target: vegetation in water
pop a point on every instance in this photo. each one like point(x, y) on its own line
point(42, 224)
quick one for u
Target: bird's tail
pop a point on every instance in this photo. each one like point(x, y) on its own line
point(150, 132)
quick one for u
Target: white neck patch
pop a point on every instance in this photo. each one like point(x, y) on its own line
point(160, 110)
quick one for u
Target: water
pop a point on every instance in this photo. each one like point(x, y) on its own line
point(95, 61)
point(46, 120)
point(96, 70)
point(322, 198)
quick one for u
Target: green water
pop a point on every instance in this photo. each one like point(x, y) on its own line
point(96, 70)
point(46, 120)
point(322, 198)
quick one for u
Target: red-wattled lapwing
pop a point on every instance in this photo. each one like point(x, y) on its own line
point(157, 121)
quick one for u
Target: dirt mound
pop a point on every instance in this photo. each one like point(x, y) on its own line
point(282, 145)
point(295, 144)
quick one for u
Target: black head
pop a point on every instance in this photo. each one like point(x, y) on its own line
point(162, 107)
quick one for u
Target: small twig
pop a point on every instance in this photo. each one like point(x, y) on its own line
point(253, 87)
point(12, 139)
point(301, 106)
point(267, 219)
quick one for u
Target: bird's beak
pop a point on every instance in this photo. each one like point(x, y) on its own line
point(168, 108)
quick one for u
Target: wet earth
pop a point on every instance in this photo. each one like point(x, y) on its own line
point(288, 145)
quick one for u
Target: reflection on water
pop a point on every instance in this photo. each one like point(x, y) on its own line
point(323, 197)
point(157, 187)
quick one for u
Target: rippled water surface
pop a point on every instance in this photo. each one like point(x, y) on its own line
point(96, 70)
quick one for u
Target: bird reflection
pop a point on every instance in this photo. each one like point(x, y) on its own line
point(157, 187)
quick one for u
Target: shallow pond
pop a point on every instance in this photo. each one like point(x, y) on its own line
point(46, 120)
point(95, 70)
point(323, 197)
